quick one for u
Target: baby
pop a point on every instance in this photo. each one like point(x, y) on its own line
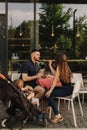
point(27, 89)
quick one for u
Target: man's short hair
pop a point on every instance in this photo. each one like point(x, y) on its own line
point(34, 50)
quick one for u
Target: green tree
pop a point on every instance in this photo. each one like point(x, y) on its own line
point(11, 32)
point(54, 20)
point(81, 37)
point(23, 28)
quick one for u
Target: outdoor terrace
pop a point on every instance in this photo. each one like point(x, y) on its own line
point(77, 66)
point(67, 114)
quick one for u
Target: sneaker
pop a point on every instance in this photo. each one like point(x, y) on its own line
point(40, 117)
point(56, 119)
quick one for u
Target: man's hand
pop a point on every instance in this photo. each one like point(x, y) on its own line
point(40, 74)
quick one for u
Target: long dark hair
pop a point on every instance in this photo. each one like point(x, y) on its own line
point(65, 72)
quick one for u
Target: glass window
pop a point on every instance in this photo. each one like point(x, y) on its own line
point(2, 8)
point(20, 19)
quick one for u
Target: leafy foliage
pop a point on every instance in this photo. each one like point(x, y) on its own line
point(52, 18)
point(81, 39)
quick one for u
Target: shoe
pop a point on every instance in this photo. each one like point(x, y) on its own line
point(56, 119)
point(40, 117)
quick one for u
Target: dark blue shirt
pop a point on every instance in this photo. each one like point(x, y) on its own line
point(31, 69)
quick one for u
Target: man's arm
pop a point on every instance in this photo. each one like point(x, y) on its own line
point(25, 76)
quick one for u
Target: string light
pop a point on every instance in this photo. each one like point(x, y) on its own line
point(78, 33)
point(52, 34)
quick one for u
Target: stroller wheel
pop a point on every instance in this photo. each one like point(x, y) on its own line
point(3, 123)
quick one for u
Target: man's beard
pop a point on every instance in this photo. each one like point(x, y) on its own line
point(36, 60)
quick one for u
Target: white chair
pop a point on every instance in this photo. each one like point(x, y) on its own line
point(15, 76)
point(83, 91)
point(77, 78)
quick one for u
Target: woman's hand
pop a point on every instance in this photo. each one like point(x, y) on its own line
point(51, 67)
point(50, 62)
point(48, 93)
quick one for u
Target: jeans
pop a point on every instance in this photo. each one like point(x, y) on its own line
point(58, 92)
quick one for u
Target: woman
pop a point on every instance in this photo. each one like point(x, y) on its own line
point(63, 74)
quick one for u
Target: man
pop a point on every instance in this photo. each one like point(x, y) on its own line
point(30, 73)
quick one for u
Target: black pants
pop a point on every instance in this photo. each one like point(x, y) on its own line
point(59, 92)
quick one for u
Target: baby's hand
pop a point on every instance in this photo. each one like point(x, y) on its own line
point(29, 88)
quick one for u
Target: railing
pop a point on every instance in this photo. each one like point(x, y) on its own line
point(75, 65)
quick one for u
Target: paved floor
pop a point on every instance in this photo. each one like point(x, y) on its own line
point(67, 114)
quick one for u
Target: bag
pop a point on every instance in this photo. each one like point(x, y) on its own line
point(47, 82)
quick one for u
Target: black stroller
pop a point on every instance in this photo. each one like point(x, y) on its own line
point(21, 110)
